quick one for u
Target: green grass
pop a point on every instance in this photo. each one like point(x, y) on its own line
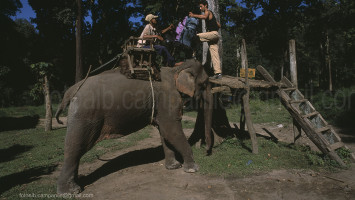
point(233, 158)
point(261, 112)
point(188, 124)
point(27, 155)
point(27, 111)
point(116, 144)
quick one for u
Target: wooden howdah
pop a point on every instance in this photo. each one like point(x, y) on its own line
point(141, 59)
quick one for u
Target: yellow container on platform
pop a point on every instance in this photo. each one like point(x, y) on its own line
point(251, 73)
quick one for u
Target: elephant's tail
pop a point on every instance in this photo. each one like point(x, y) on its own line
point(60, 109)
point(65, 102)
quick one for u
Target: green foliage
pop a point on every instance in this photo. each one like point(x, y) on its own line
point(336, 107)
point(267, 36)
point(4, 70)
point(344, 154)
point(40, 69)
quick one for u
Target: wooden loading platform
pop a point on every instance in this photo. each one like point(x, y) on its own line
point(302, 111)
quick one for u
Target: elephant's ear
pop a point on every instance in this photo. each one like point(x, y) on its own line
point(185, 82)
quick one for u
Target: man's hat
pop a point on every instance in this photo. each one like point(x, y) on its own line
point(150, 17)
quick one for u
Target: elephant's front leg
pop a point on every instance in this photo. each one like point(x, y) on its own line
point(172, 132)
point(170, 155)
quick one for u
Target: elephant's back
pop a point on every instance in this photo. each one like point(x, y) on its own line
point(115, 100)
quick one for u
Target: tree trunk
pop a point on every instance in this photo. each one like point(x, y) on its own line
point(214, 7)
point(204, 44)
point(293, 63)
point(48, 123)
point(79, 66)
point(328, 62)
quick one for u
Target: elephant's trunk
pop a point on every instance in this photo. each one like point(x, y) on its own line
point(203, 125)
point(208, 111)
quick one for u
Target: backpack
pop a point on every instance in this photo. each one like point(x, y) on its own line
point(186, 30)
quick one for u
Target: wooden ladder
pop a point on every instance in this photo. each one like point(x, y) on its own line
point(310, 120)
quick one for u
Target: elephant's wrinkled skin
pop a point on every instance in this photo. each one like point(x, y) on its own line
point(109, 105)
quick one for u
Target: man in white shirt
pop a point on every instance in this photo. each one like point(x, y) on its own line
point(150, 32)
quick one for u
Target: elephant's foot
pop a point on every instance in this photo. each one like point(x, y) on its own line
point(172, 164)
point(69, 187)
point(191, 168)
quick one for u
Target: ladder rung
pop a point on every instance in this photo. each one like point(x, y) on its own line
point(140, 69)
point(335, 146)
point(320, 130)
point(310, 114)
point(289, 89)
point(298, 101)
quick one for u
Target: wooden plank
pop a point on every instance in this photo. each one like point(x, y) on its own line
point(310, 114)
point(287, 82)
point(220, 89)
point(239, 83)
point(265, 74)
point(140, 69)
point(288, 89)
point(320, 130)
point(298, 101)
point(251, 130)
point(136, 49)
point(130, 64)
point(335, 146)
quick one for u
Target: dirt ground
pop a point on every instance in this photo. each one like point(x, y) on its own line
point(138, 172)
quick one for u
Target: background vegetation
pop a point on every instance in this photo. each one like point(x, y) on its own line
point(50, 37)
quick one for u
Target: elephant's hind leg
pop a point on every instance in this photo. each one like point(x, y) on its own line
point(77, 143)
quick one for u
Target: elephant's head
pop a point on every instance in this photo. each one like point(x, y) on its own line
point(191, 79)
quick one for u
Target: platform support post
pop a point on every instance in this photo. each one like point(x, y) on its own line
point(245, 104)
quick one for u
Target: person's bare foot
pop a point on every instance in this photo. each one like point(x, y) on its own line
point(178, 64)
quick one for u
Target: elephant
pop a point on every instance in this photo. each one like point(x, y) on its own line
point(111, 105)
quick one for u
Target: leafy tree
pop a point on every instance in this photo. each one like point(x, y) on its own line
point(43, 71)
point(55, 22)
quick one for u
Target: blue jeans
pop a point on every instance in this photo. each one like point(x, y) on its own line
point(163, 51)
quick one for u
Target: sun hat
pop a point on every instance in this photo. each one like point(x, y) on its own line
point(150, 17)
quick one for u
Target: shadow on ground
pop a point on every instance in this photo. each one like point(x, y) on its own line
point(10, 153)
point(18, 123)
point(24, 177)
point(134, 158)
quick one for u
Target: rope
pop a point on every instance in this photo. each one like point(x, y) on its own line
point(82, 83)
point(153, 107)
point(110, 61)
